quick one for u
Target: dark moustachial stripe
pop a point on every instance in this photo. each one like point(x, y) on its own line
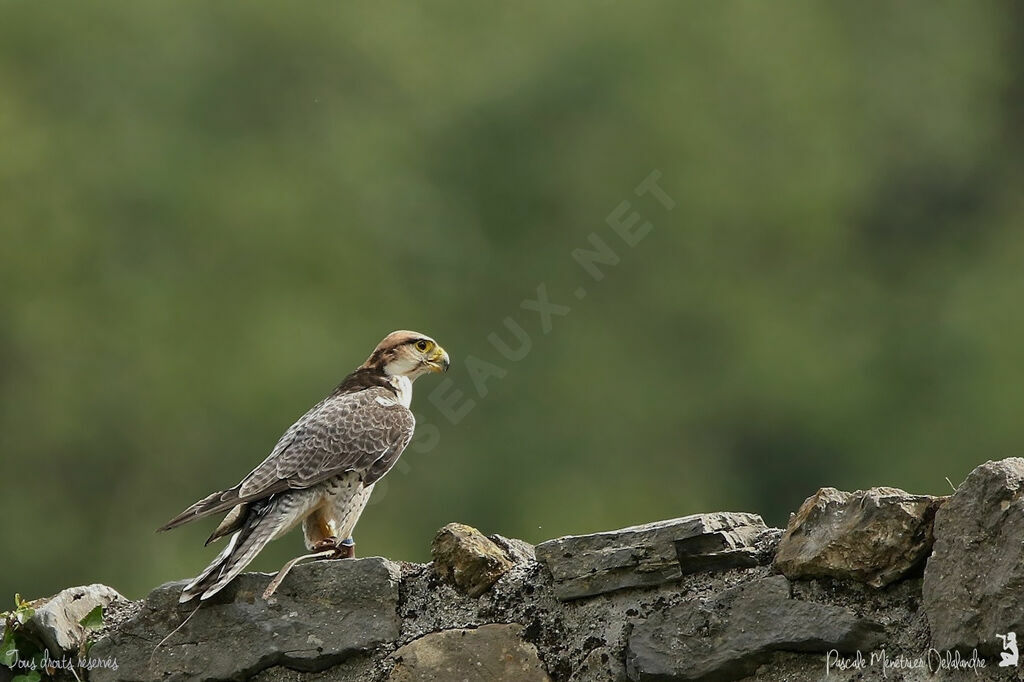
point(371, 373)
point(362, 379)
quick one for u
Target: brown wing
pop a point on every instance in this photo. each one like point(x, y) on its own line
point(354, 432)
point(364, 432)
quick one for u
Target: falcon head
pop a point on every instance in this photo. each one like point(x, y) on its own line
point(408, 354)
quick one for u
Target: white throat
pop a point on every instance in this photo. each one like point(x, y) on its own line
point(403, 386)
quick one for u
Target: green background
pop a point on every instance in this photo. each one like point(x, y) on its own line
point(211, 213)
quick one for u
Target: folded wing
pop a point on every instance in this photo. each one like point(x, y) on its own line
point(364, 432)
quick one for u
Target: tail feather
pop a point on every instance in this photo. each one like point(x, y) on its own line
point(261, 526)
point(232, 522)
point(211, 504)
point(193, 588)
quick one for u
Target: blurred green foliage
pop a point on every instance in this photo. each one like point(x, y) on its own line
point(211, 213)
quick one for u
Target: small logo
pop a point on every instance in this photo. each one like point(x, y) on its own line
point(1009, 645)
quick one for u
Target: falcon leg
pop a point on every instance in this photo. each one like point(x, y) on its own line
point(347, 549)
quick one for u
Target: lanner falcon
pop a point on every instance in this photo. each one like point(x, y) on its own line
point(324, 467)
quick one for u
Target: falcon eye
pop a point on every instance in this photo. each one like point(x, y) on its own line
point(423, 345)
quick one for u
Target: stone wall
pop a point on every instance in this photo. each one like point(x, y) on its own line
point(913, 583)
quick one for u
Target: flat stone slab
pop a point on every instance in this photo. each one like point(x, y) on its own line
point(322, 613)
point(489, 653)
point(974, 578)
point(729, 636)
point(650, 554)
point(874, 536)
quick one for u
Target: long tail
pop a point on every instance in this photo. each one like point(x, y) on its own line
point(264, 521)
point(222, 500)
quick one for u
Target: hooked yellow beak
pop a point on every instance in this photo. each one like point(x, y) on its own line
point(438, 360)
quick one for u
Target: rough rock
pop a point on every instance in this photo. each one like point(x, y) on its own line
point(875, 536)
point(464, 556)
point(731, 635)
point(600, 665)
point(585, 640)
point(650, 554)
point(721, 550)
point(489, 653)
point(359, 668)
point(975, 576)
point(713, 625)
point(57, 623)
point(515, 549)
point(321, 614)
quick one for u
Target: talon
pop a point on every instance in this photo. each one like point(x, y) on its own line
point(324, 545)
point(347, 549)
